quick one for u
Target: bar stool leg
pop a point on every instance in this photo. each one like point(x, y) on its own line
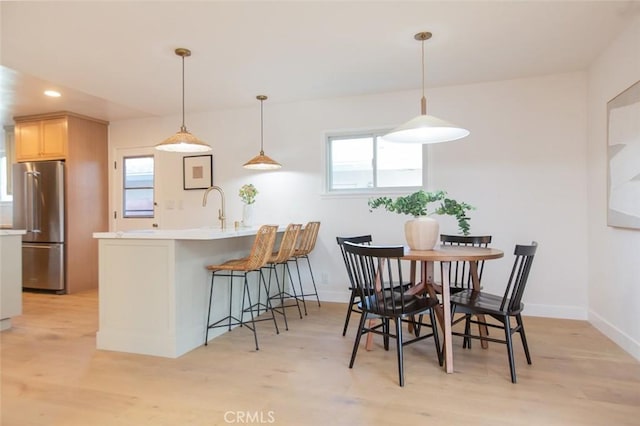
point(269, 307)
point(206, 334)
point(304, 303)
point(313, 281)
point(285, 266)
point(250, 309)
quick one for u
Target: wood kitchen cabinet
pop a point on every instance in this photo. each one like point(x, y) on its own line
point(44, 139)
point(81, 142)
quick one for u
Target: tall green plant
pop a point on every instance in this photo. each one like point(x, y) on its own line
point(416, 205)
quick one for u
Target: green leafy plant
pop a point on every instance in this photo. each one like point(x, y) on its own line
point(416, 205)
point(248, 193)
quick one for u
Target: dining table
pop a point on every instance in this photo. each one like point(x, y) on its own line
point(444, 255)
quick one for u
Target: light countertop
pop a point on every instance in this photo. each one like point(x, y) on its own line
point(181, 234)
point(4, 232)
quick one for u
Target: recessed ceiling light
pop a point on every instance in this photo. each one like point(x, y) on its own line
point(52, 93)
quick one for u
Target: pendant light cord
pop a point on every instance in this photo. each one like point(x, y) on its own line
point(183, 128)
point(423, 101)
point(261, 129)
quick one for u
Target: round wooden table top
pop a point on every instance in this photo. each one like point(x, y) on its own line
point(452, 254)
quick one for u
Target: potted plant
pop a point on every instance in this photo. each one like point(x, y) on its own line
point(247, 194)
point(422, 232)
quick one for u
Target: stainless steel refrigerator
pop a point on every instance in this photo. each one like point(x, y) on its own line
point(38, 207)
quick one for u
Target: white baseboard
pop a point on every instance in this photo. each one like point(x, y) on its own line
point(335, 296)
point(622, 339)
point(555, 311)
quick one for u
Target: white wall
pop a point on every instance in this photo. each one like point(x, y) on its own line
point(523, 167)
point(614, 253)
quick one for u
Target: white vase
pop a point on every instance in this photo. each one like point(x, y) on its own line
point(247, 215)
point(422, 233)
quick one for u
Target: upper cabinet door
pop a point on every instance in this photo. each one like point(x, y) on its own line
point(54, 138)
point(27, 140)
point(41, 140)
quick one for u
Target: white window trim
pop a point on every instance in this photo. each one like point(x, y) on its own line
point(364, 192)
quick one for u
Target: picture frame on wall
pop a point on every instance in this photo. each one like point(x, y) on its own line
point(197, 171)
point(623, 155)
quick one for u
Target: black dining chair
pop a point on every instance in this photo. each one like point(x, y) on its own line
point(460, 272)
point(501, 308)
point(377, 273)
point(354, 299)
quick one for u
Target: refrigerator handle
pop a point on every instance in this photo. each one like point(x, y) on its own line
point(31, 200)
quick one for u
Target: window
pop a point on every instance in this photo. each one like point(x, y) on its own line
point(365, 161)
point(138, 186)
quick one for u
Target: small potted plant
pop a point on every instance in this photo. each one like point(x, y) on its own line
point(247, 194)
point(422, 232)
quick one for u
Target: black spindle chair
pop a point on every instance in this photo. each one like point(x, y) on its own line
point(377, 273)
point(501, 308)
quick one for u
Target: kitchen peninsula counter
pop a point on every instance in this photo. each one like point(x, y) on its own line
point(10, 275)
point(154, 287)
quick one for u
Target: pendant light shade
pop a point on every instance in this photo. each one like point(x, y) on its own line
point(261, 161)
point(425, 129)
point(183, 141)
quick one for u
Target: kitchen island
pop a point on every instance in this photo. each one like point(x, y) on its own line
point(10, 275)
point(154, 288)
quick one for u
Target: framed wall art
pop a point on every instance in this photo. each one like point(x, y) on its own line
point(197, 171)
point(623, 154)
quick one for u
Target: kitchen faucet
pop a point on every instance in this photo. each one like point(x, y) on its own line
point(221, 215)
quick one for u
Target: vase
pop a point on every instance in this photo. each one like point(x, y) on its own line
point(247, 215)
point(422, 233)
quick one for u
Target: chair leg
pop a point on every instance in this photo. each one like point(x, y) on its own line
point(313, 281)
point(206, 335)
point(280, 294)
point(386, 331)
point(523, 338)
point(507, 335)
point(253, 323)
point(349, 309)
point(356, 342)
point(466, 342)
point(285, 266)
point(304, 303)
point(436, 337)
point(399, 350)
point(268, 306)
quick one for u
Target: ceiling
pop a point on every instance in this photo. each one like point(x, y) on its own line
point(115, 60)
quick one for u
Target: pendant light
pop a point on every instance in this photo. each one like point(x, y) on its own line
point(261, 161)
point(425, 129)
point(183, 141)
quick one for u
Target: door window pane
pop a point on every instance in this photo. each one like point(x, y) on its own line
point(138, 186)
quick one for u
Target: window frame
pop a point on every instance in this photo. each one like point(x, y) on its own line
point(374, 133)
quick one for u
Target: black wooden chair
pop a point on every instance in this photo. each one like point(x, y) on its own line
point(502, 308)
point(377, 273)
point(354, 300)
point(459, 272)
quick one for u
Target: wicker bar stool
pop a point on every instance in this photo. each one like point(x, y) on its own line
point(306, 244)
point(281, 257)
point(240, 268)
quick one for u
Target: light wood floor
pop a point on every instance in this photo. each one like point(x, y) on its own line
point(53, 375)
